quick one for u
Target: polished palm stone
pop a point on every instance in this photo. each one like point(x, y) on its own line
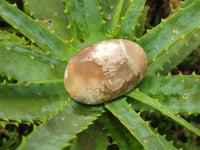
point(104, 71)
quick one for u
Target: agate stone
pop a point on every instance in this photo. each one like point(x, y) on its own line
point(104, 71)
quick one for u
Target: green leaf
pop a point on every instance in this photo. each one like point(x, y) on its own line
point(123, 138)
point(35, 32)
point(93, 138)
point(33, 101)
point(86, 23)
point(61, 127)
point(175, 54)
point(183, 4)
point(162, 138)
point(20, 67)
point(125, 7)
point(182, 96)
point(51, 14)
point(134, 123)
point(109, 12)
point(12, 37)
point(136, 94)
point(140, 27)
point(116, 18)
point(175, 27)
point(129, 21)
point(34, 54)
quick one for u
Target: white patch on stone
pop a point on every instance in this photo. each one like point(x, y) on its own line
point(66, 73)
point(133, 64)
point(88, 58)
point(111, 56)
point(107, 54)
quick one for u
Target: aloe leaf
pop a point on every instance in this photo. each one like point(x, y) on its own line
point(93, 138)
point(175, 54)
point(183, 4)
point(140, 27)
point(163, 139)
point(20, 67)
point(61, 127)
point(136, 94)
point(51, 14)
point(182, 96)
point(37, 55)
point(116, 18)
point(125, 7)
point(12, 37)
point(35, 32)
point(109, 12)
point(86, 23)
point(123, 138)
point(134, 123)
point(33, 101)
point(129, 21)
point(170, 30)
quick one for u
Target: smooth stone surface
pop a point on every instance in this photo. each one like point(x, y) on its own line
point(104, 71)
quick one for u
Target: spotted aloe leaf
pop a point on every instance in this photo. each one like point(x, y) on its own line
point(140, 27)
point(34, 54)
point(129, 22)
point(92, 138)
point(116, 19)
point(86, 23)
point(175, 54)
point(61, 127)
point(183, 4)
point(12, 37)
point(25, 68)
point(12, 46)
point(108, 12)
point(51, 14)
point(170, 30)
point(131, 120)
point(136, 94)
point(182, 96)
point(123, 138)
point(35, 32)
point(34, 101)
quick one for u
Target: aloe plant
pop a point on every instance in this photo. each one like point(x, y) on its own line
point(53, 32)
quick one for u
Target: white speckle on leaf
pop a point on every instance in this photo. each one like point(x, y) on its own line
point(108, 17)
point(145, 141)
point(87, 14)
point(55, 14)
point(185, 96)
point(167, 52)
point(62, 118)
point(176, 31)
